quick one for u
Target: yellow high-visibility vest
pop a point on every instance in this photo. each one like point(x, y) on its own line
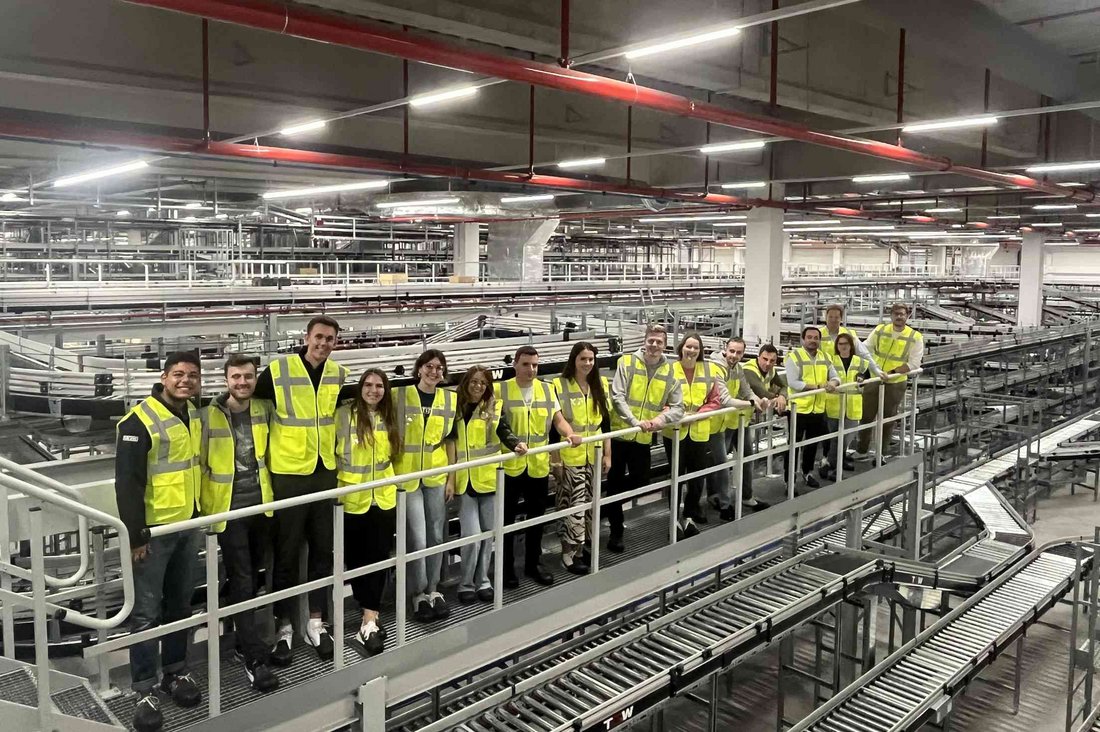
point(582, 412)
point(828, 341)
point(423, 438)
point(478, 439)
point(173, 476)
point(732, 377)
point(811, 368)
point(695, 396)
point(890, 349)
point(219, 463)
point(304, 428)
point(767, 379)
point(646, 397)
point(853, 400)
point(358, 463)
point(531, 423)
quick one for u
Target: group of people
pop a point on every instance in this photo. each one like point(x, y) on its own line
point(298, 428)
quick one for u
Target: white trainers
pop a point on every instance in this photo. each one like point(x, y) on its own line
point(317, 635)
point(372, 637)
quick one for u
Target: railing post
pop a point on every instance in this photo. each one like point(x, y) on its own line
point(5, 385)
point(913, 417)
point(769, 421)
point(791, 449)
point(739, 480)
point(7, 616)
point(41, 629)
point(337, 585)
point(674, 487)
point(213, 633)
point(498, 539)
point(879, 424)
point(99, 569)
point(840, 436)
point(401, 570)
point(597, 489)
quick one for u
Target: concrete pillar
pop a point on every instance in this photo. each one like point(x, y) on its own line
point(893, 257)
point(467, 249)
point(765, 244)
point(1032, 254)
point(516, 248)
point(939, 259)
point(838, 258)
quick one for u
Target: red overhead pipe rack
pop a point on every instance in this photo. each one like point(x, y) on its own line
point(304, 22)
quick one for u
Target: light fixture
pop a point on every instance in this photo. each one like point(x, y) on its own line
point(1049, 225)
point(582, 162)
point(729, 223)
point(193, 205)
point(948, 209)
point(914, 202)
point(304, 127)
point(668, 219)
point(1054, 206)
point(1087, 231)
point(122, 212)
point(10, 197)
point(1063, 167)
point(335, 188)
point(682, 42)
point(842, 229)
point(1003, 216)
point(812, 222)
point(423, 100)
point(221, 216)
point(880, 178)
point(528, 199)
point(745, 185)
point(417, 204)
point(732, 146)
point(951, 124)
point(73, 180)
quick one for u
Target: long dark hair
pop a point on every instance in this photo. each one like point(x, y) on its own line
point(464, 388)
point(428, 355)
point(595, 383)
point(364, 427)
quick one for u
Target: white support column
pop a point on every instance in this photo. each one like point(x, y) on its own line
point(838, 257)
point(1032, 254)
point(467, 250)
point(765, 244)
point(939, 259)
point(515, 249)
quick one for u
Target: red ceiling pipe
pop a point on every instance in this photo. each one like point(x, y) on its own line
point(304, 22)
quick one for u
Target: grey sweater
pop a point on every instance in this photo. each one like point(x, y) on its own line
point(619, 388)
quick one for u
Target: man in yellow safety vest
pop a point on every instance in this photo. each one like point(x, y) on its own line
point(157, 483)
point(723, 441)
point(897, 348)
point(809, 370)
point(304, 388)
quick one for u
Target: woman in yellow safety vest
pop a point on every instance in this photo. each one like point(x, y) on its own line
point(583, 396)
point(367, 442)
point(426, 418)
point(852, 369)
point(482, 429)
point(704, 389)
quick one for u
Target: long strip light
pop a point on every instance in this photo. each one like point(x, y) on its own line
point(1055, 207)
point(73, 180)
point(729, 223)
point(745, 185)
point(1003, 216)
point(914, 202)
point(423, 100)
point(950, 124)
point(812, 222)
point(841, 229)
point(417, 204)
point(1048, 225)
point(880, 178)
point(304, 127)
point(528, 199)
point(732, 146)
point(678, 219)
point(1064, 167)
point(335, 188)
point(582, 162)
point(683, 42)
point(948, 209)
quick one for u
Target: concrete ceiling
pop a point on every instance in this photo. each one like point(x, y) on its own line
point(1067, 25)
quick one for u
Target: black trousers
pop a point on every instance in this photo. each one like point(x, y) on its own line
point(368, 538)
point(809, 426)
point(244, 547)
point(309, 525)
point(630, 464)
point(530, 496)
point(693, 456)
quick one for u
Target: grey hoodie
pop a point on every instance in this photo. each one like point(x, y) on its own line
point(619, 386)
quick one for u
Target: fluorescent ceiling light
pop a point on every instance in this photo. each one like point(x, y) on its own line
point(745, 185)
point(417, 204)
point(73, 180)
point(880, 178)
point(582, 162)
point(669, 219)
point(423, 100)
point(1055, 206)
point(319, 190)
point(682, 42)
point(1061, 167)
point(842, 229)
point(732, 146)
point(1087, 231)
point(10, 197)
point(123, 212)
point(528, 199)
point(1049, 225)
point(943, 210)
point(951, 124)
point(1003, 216)
point(971, 189)
point(811, 222)
point(304, 127)
point(914, 202)
point(729, 223)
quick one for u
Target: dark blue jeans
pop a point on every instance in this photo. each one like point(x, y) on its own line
point(163, 585)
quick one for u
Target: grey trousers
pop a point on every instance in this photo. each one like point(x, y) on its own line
point(427, 512)
point(834, 425)
point(475, 515)
point(891, 400)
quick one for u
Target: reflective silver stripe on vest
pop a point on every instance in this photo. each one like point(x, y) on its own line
point(634, 369)
point(567, 406)
point(161, 465)
point(883, 356)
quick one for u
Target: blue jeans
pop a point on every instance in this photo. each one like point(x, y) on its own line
point(475, 515)
point(163, 585)
point(427, 512)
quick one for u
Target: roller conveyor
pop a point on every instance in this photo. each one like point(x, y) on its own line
point(916, 682)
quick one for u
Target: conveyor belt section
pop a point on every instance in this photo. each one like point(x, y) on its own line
point(614, 681)
point(909, 687)
point(1075, 451)
point(996, 516)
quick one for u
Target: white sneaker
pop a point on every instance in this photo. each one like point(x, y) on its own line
point(317, 635)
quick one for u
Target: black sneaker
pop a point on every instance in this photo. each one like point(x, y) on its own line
point(183, 689)
point(486, 594)
point(755, 504)
point(615, 544)
point(690, 529)
point(147, 716)
point(372, 636)
point(824, 471)
point(422, 609)
point(727, 514)
point(440, 611)
point(260, 676)
point(317, 635)
point(467, 597)
point(511, 582)
point(811, 481)
point(540, 576)
point(282, 654)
